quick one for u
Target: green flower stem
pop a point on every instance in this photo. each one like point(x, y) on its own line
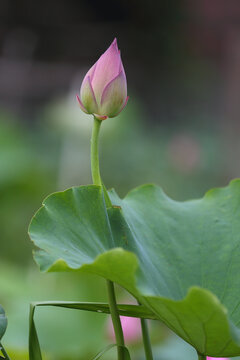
point(111, 293)
point(146, 340)
point(96, 178)
point(116, 320)
point(4, 352)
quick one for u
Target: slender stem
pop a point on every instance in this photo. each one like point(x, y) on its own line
point(96, 178)
point(4, 352)
point(94, 152)
point(116, 320)
point(146, 340)
point(201, 357)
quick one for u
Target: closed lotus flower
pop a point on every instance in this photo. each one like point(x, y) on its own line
point(104, 88)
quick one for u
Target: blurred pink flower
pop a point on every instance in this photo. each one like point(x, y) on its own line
point(131, 329)
point(211, 358)
point(104, 88)
point(184, 152)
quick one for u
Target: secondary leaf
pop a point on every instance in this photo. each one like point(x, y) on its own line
point(179, 259)
point(125, 310)
point(3, 322)
point(33, 342)
point(138, 311)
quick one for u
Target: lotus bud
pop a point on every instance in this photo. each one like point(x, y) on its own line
point(104, 88)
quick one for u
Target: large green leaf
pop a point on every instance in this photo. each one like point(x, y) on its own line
point(3, 322)
point(179, 259)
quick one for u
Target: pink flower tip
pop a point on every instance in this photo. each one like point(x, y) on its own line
point(103, 91)
point(211, 358)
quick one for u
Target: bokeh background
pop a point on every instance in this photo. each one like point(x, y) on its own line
point(180, 130)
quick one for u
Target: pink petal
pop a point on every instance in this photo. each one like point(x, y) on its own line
point(114, 96)
point(87, 96)
point(107, 68)
point(124, 104)
point(81, 105)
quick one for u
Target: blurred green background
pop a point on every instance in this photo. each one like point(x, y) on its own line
point(180, 130)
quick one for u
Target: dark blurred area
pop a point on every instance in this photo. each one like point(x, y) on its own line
point(180, 129)
point(179, 56)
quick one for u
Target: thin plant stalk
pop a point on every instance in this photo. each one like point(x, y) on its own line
point(116, 320)
point(146, 340)
point(96, 178)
